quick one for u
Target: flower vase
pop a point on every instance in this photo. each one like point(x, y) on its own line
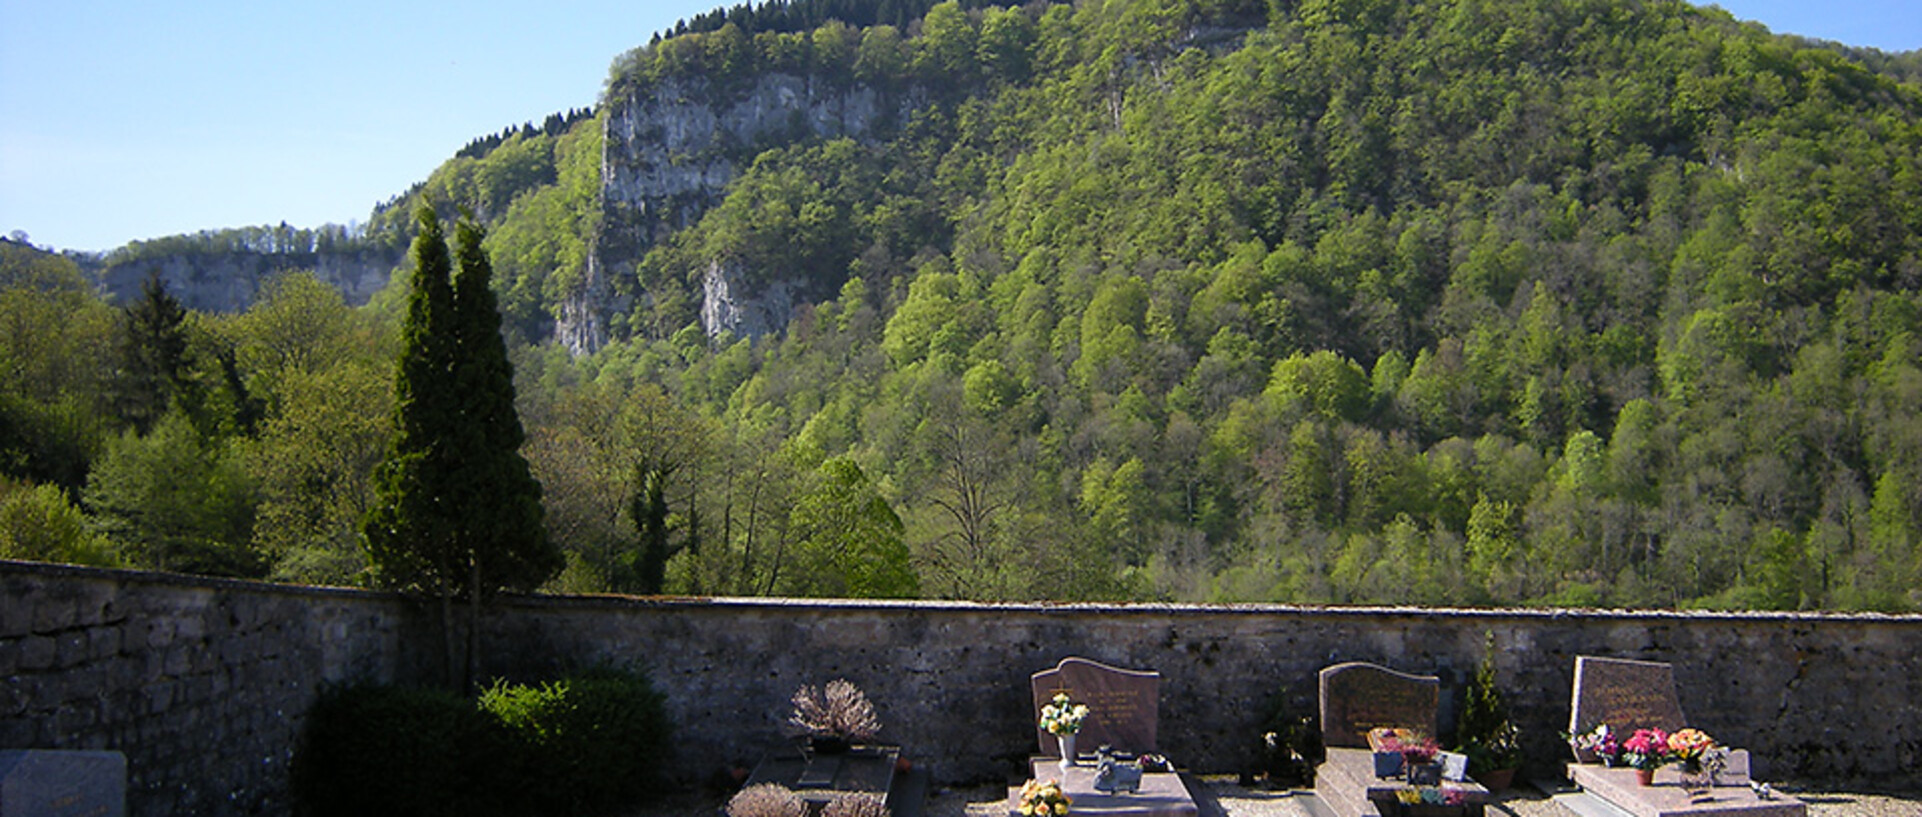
point(1066, 744)
point(1696, 779)
point(1645, 777)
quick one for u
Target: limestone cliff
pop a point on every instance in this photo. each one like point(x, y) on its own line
point(228, 281)
point(668, 154)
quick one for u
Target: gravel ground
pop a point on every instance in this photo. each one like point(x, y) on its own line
point(1220, 797)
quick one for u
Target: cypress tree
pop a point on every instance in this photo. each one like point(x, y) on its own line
point(410, 532)
point(505, 524)
point(457, 511)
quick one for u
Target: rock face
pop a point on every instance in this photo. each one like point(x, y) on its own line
point(729, 305)
point(228, 282)
point(668, 155)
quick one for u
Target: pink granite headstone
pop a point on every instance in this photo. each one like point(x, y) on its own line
point(1123, 705)
point(1626, 695)
point(1357, 697)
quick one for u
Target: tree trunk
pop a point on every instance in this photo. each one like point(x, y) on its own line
point(473, 627)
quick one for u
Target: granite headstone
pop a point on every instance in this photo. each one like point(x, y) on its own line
point(1626, 695)
point(1123, 705)
point(1358, 696)
point(48, 783)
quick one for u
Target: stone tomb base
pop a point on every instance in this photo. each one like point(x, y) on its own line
point(1667, 798)
point(1347, 785)
point(1162, 794)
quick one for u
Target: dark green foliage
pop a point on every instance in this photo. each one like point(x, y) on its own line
point(153, 372)
point(410, 534)
point(1484, 733)
point(501, 516)
point(382, 750)
point(589, 744)
point(594, 743)
point(456, 504)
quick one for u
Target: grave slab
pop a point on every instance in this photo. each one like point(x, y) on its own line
point(1162, 794)
point(1123, 705)
point(1667, 798)
point(49, 783)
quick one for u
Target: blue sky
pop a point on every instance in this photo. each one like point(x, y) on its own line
point(132, 120)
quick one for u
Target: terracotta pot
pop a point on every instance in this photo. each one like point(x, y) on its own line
point(1645, 777)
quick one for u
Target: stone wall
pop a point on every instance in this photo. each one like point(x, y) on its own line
point(203, 683)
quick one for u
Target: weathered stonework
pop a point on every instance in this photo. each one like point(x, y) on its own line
point(204, 683)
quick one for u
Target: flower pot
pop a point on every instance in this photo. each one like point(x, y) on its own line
point(1645, 777)
point(1066, 744)
point(1387, 764)
point(829, 745)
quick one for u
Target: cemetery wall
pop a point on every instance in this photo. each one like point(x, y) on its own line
point(203, 683)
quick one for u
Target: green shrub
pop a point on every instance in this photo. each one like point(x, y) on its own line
point(592, 742)
point(378, 750)
point(588, 744)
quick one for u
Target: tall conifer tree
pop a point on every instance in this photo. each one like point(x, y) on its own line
point(457, 512)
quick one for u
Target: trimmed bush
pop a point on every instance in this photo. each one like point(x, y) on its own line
point(378, 750)
point(592, 742)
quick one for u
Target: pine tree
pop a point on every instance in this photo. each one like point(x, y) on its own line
point(153, 355)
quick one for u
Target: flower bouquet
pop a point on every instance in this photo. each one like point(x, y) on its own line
point(1045, 799)
point(1688, 747)
point(1599, 743)
point(1063, 716)
point(1398, 749)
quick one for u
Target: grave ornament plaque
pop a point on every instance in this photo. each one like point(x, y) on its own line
point(1123, 705)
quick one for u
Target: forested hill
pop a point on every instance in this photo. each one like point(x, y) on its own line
point(1489, 301)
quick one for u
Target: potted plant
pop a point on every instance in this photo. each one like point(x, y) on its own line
point(834, 717)
point(1646, 750)
point(1491, 741)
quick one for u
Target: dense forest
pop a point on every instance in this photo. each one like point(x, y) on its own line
point(1547, 302)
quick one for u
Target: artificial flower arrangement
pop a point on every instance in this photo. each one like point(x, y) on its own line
point(1414, 747)
point(1045, 799)
point(1398, 750)
point(1689, 747)
point(1063, 716)
point(1600, 742)
point(1646, 749)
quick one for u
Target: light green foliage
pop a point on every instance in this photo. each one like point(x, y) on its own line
point(171, 499)
point(39, 523)
point(848, 540)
